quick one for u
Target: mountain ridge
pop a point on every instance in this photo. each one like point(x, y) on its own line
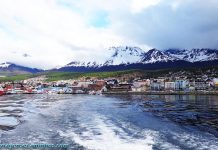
point(127, 57)
point(124, 57)
point(9, 68)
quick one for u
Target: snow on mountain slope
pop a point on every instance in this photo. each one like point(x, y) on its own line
point(17, 69)
point(5, 65)
point(194, 55)
point(83, 64)
point(117, 56)
point(155, 55)
point(125, 55)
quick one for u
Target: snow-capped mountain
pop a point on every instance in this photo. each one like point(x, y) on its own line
point(124, 55)
point(193, 55)
point(83, 64)
point(4, 65)
point(155, 55)
point(119, 55)
point(134, 57)
point(11, 68)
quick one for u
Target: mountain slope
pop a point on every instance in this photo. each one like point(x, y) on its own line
point(124, 55)
point(8, 69)
point(155, 55)
point(123, 58)
point(193, 55)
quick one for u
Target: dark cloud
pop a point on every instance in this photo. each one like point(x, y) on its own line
point(26, 55)
point(173, 24)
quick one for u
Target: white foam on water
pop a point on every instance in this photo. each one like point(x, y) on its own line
point(4, 114)
point(110, 137)
point(194, 141)
point(102, 134)
point(8, 121)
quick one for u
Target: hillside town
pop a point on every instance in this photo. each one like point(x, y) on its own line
point(161, 85)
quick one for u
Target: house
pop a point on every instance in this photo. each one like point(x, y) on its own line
point(140, 83)
point(100, 82)
point(77, 89)
point(191, 85)
point(200, 85)
point(95, 87)
point(139, 86)
point(111, 81)
point(139, 89)
point(170, 86)
point(215, 81)
point(209, 82)
point(157, 84)
point(181, 85)
point(121, 88)
point(82, 84)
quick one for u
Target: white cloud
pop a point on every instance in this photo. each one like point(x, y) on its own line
point(56, 32)
point(51, 34)
point(139, 5)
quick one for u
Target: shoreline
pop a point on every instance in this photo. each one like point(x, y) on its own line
point(161, 93)
point(130, 93)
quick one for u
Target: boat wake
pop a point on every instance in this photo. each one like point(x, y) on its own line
point(104, 135)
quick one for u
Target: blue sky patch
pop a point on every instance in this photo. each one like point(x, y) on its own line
point(99, 19)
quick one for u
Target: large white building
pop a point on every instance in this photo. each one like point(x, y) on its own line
point(181, 84)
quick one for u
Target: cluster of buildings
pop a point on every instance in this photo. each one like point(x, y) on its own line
point(39, 85)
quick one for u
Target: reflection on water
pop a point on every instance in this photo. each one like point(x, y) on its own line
point(111, 122)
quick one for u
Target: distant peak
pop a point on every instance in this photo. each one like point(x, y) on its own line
point(5, 64)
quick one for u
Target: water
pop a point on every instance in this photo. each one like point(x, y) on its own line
point(111, 122)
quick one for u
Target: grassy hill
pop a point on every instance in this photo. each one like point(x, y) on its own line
point(15, 78)
point(125, 75)
point(55, 76)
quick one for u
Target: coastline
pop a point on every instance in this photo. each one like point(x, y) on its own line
point(162, 93)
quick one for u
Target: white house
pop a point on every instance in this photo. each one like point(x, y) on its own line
point(181, 84)
point(170, 86)
point(157, 84)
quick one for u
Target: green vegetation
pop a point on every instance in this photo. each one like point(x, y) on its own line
point(54, 76)
point(15, 78)
point(128, 74)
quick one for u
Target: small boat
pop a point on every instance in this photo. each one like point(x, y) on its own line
point(18, 91)
point(28, 91)
point(92, 92)
point(78, 92)
point(99, 92)
point(95, 92)
point(10, 91)
point(2, 92)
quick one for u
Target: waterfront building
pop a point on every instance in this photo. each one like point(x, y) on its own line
point(83, 84)
point(100, 83)
point(181, 84)
point(191, 85)
point(157, 84)
point(200, 85)
point(139, 83)
point(215, 81)
point(170, 86)
point(121, 88)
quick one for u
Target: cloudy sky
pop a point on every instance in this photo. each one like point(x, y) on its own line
point(50, 33)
